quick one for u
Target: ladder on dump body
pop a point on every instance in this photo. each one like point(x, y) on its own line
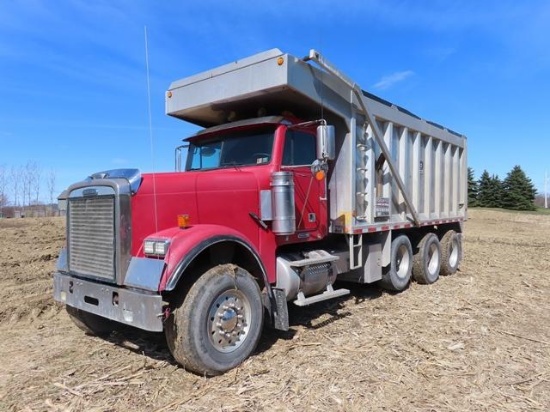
point(377, 133)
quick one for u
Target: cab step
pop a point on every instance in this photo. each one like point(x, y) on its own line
point(329, 293)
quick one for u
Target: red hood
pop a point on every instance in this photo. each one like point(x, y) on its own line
point(222, 197)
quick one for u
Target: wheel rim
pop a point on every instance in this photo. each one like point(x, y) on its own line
point(453, 256)
point(229, 320)
point(403, 261)
point(433, 259)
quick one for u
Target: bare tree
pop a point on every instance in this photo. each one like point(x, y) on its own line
point(31, 183)
point(16, 184)
point(25, 174)
point(3, 186)
point(36, 184)
point(50, 183)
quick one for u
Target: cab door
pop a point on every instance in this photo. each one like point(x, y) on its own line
point(310, 194)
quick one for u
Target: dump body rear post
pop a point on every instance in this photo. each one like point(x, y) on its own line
point(273, 205)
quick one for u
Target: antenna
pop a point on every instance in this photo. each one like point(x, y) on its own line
point(546, 190)
point(151, 130)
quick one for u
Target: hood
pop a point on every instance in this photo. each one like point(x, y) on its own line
point(222, 196)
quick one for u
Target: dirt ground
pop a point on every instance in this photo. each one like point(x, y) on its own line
point(475, 341)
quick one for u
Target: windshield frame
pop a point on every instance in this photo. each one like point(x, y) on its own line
point(234, 147)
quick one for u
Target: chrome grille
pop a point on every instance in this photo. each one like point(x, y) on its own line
point(91, 236)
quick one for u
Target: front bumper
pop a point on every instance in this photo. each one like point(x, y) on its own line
point(142, 310)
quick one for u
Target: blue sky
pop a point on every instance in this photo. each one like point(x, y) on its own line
point(73, 84)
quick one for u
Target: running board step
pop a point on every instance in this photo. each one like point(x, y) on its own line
point(330, 293)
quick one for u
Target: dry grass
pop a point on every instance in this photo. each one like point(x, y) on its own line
point(478, 340)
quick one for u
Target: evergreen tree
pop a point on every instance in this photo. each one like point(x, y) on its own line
point(519, 191)
point(489, 191)
point(496, 192)
point(484, 185)
point(472, 188)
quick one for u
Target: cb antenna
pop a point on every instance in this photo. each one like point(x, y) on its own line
point(151, 140)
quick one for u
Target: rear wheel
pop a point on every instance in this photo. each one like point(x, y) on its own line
point(397, 274)
point(451, 252)
point(219, 322)
point(427, 262)
point(89, 322)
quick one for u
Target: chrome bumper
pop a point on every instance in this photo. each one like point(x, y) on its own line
point(139, 309)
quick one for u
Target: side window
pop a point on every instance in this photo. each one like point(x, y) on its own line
point(299, 148)
point(205, 157)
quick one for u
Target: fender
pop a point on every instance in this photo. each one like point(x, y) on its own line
point(187, 244)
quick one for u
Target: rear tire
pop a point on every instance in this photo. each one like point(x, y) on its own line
point(219, 322)
point(451, 253)
point(397, 275)
point(427, 262)
point(90, 323)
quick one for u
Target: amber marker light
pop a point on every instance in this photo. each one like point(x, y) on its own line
point(183, 221)
point(168, 94)
point(280, 61)
point(320, 175)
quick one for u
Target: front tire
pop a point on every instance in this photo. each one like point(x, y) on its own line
point(219, 322)
point(397, 275)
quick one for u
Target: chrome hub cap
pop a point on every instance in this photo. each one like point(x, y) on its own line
point(402, 262)
point(229, 320)
point(453, 257)
point(433, 259)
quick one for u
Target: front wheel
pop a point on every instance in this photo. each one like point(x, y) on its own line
point(219, 322)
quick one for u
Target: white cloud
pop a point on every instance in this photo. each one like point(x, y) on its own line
point(388, 81)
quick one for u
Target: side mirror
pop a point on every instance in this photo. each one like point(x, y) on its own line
point(326, 145)
point(177, 156)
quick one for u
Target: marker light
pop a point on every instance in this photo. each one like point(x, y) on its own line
point(320, 175)
point(280, 61)
point(152, 247)
point(183, 221)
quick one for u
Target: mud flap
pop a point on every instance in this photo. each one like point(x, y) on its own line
point(279, 310)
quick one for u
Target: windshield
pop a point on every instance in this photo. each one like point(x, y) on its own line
point(236, 148)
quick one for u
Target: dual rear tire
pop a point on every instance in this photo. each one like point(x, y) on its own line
point(427, 261)
point(451, 253)
point(432, 258)
point(397, 275)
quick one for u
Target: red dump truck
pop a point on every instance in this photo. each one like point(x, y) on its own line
point(298, 179)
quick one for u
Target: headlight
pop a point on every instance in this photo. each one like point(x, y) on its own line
point(152, 247)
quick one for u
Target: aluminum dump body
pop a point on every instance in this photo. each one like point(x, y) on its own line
point(392, 169)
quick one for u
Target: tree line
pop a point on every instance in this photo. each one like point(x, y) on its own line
point(515, 192)
point(23, 187)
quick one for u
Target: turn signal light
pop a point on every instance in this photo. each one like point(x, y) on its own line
point(320, 175)
point(183, 221)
